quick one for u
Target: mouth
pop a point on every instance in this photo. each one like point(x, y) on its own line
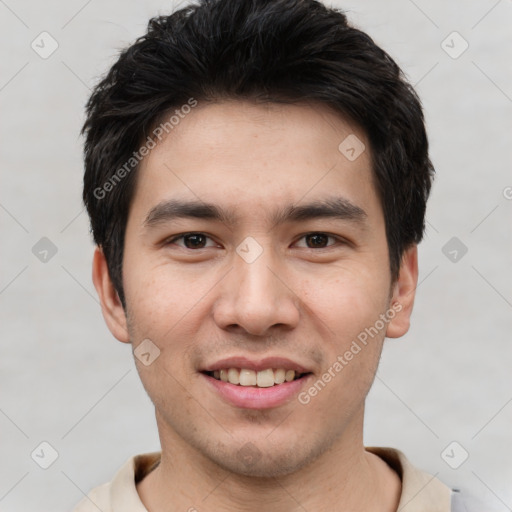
point(248, 383)
point(246, 377)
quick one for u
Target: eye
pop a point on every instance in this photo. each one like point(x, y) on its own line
point(192, 241)
point(196, 240)
point(318, 240)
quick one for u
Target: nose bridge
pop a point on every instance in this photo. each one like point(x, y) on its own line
point(253, 296)
point(256, 281)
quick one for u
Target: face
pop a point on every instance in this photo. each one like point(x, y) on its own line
point(255, 245)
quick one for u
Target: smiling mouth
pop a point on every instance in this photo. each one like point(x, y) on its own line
point(250, 378)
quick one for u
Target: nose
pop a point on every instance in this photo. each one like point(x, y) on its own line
point(257, 296)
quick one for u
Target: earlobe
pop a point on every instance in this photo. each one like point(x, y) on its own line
point(404, 291)
point(111, 306)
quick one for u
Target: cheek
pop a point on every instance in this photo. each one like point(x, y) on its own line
point(347, 303)
point(163, 307)
point(348, 308)
point(157, 296)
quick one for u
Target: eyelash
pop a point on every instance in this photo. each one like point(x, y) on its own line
point(183, 235)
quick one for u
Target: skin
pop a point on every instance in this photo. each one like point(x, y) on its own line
point(298, 300)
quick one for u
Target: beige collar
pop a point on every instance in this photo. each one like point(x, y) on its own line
point(421, 492)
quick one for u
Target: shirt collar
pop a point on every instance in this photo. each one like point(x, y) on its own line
point(421, 492)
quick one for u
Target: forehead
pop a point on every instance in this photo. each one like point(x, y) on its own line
point(240, 153)
point(310, 128)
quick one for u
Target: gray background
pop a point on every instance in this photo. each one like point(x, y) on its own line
point(65, 380)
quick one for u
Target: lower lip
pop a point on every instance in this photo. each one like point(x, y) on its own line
point(249, 397)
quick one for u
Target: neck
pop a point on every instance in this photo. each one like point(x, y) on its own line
point(346, 475)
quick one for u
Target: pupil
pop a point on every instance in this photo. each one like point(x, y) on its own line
point(197, 241)
point(317, 239)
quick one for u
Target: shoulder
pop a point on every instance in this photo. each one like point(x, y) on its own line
point(421, 492)
point(120, 494)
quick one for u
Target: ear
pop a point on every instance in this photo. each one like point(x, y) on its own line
point(111, 306)
point(404, 290)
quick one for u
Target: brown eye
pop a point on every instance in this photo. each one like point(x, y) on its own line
point(194, 241)
point(317, 240)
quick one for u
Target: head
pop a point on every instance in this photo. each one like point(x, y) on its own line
point(295, 150)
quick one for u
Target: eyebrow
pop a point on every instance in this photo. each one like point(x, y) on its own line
point(333, 207)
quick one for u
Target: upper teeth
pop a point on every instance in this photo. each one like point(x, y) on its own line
point(262, 379)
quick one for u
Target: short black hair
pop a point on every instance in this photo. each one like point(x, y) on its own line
point(288, 51)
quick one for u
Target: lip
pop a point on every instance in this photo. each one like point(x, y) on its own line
point(256, 365)
point(248, 397)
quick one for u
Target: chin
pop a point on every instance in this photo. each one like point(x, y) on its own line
point(265, 467)
point(265, 462)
